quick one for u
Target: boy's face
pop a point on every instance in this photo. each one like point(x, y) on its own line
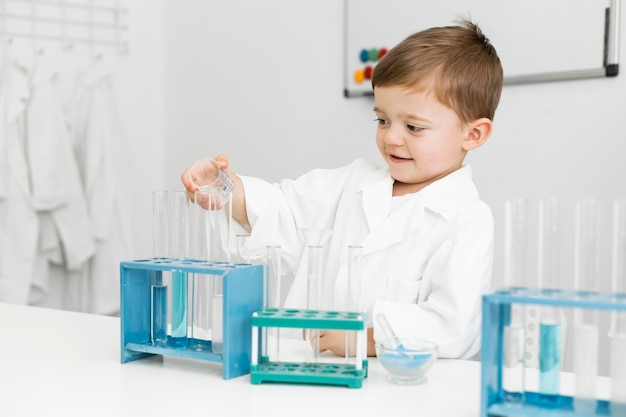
point(421, 139)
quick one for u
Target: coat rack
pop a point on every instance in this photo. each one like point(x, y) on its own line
point(68, 22)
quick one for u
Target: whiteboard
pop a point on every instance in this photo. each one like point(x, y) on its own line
point(537, 40)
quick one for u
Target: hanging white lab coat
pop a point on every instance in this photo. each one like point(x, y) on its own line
point(19, 223)
point(105, 170)
point(45, 217)
point(425, 264)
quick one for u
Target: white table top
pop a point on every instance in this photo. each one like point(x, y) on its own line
point(66, 363)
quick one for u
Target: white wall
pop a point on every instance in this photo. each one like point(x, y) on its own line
point(262, 82)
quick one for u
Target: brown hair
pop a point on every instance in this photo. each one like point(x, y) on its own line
point(458, 63)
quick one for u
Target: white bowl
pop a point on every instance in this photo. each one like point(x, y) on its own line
point(408, 363)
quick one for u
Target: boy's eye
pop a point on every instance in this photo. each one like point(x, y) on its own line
point(413, 128)
point(381, 121)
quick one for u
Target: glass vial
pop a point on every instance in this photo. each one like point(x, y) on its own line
point(516, 241)
point(179, 285)
point(550, 326)
point(272, 299)
point(158, 315)
point(160, 224)
point(200, 325)
point(353, 293)
point(617, 329)
point(217, 316)
point(585, 332)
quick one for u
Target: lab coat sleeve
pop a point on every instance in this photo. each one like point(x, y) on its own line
point(448, 308)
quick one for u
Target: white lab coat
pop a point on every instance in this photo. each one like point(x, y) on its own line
point(105, 169)
point(425, 263)
point(19, 223)
point(45, 214)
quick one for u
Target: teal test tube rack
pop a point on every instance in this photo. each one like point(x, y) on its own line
point(242, 295)
point(327, 373)
point(496, 316)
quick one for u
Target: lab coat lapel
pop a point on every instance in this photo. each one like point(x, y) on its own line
point(388, 229)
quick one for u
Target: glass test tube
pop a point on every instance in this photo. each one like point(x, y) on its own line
point(585, 336)
point(217, 317)
point(270, 345)
point(158, 291)
point(314, 292)
point(180, 247)
point(516, 261)
point(617, 329)
point(550, 326)
point(353, 292)
point(200, 329)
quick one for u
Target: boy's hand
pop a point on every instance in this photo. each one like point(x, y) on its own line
point(334, 341)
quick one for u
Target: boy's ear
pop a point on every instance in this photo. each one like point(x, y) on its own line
point(478, 132)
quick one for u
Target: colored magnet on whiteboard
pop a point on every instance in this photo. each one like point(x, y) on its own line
point(382, 53)
point(364, 56)
point(359, 76)
point(373, 54)
point(368, 72)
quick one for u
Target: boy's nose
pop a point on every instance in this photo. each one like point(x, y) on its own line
point(393, 137)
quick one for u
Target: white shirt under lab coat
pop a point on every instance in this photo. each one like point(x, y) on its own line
point(425, 263)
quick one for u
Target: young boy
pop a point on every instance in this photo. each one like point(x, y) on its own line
point(426, 237)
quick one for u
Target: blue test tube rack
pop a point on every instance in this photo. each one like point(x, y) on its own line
point(242, 295)
point(496, 316)
point(329, 373)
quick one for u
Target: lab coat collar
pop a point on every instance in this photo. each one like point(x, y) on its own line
point(442, 198)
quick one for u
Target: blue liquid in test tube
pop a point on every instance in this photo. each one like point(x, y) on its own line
point(549, 362)
point(179, 309)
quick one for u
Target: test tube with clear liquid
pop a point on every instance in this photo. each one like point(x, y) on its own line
point(585, 332)
point(159, 291)
point(617, 329)
point(515, 261)
point(550, 318)
point(179, 286)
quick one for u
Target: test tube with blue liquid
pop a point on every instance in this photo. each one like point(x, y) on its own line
point(180, 247)
point(585, 333)
point(617, 329)
point(550, 318)
point(516, 263)
point(158, 291)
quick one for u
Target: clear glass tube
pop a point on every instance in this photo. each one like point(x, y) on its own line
point(160, 224)
point(180, 250)
point(314, 292)
point(617, 329)
point(200, 324)
point(550, 326)
point(158, 315)
point(516, 244)
point(217, 316)
point(585, 332)
point(353, 292)
point(272, 298)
